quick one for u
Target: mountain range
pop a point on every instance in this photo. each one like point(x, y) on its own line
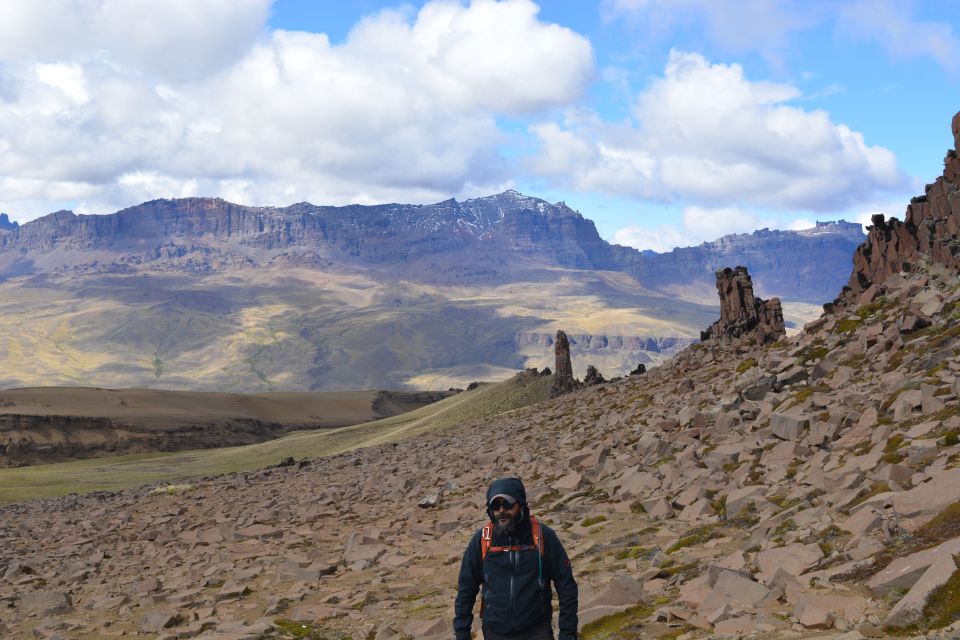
point(201, 293)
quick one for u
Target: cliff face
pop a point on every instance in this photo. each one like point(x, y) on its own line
point(930, 230)
point(509, 225)
point(474, 239)
point(803, 266)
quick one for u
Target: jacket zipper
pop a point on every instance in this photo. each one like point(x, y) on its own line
point(513, 571)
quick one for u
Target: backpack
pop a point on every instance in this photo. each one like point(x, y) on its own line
point(486, 541)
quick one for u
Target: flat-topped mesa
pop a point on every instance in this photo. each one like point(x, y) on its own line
point(743, 316)
point(563, 380)
point(930, 231)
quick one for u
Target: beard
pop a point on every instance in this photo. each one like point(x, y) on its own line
point(509, 525)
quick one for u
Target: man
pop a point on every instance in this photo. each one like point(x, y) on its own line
point(515, 558)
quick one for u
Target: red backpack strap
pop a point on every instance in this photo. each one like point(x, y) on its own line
point(537, 534)
point(486, 539)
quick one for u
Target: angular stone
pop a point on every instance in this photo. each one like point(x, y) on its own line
point(46, 602)
point(795, 559)
point(570, 482)
point(739, 499)
point(740, 626)
point(788, 427)
point(909, 609)
point(622, 590)
point(904, 572)
point(159, 620)
point(734, 590)
point(813, 617)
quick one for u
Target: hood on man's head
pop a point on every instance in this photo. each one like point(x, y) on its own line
point(512, 487)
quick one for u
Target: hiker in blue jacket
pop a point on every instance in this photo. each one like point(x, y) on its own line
point(515, 558)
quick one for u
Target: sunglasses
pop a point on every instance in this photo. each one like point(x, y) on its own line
point(497, 505)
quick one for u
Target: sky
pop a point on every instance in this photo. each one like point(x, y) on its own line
point(666, 122)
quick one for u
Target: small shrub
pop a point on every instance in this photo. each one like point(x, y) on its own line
point(848, 325)
point(874, 489)
point(695, 537)
point(173, 489)
point(891, 454)
point(786, 525)
point(297, 629)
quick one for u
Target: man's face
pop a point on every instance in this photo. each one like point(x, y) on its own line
point(506, 515)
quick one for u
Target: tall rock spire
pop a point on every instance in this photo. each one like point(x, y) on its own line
point(563, 380)
point(743, 316)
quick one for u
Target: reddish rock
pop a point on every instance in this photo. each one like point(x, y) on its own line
point(928, 231)
point(743, 316)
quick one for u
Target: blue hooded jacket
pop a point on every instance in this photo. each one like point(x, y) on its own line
point(514, 597)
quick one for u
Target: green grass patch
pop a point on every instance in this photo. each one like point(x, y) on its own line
point(694, 537)
point(592, 520)
point(891, 453)
point(874, 489)
point(626, 625)
point(813, 352)
point(848, 325)
point(298, 629)
point(631, 553)
point(746, 365)
point(880, 304)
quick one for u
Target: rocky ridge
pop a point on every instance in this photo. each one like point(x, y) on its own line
point(930, 230)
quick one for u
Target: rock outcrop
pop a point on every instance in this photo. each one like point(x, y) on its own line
point(563, 380)
point(930, 230)
point(743, 316)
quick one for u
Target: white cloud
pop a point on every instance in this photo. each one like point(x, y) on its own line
point(697, 225)
point(166, 38)
point(710, 224)
point(892, 25)
point(660, 239)
point(800, 224)
point(706, 134)
point(404, 110)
